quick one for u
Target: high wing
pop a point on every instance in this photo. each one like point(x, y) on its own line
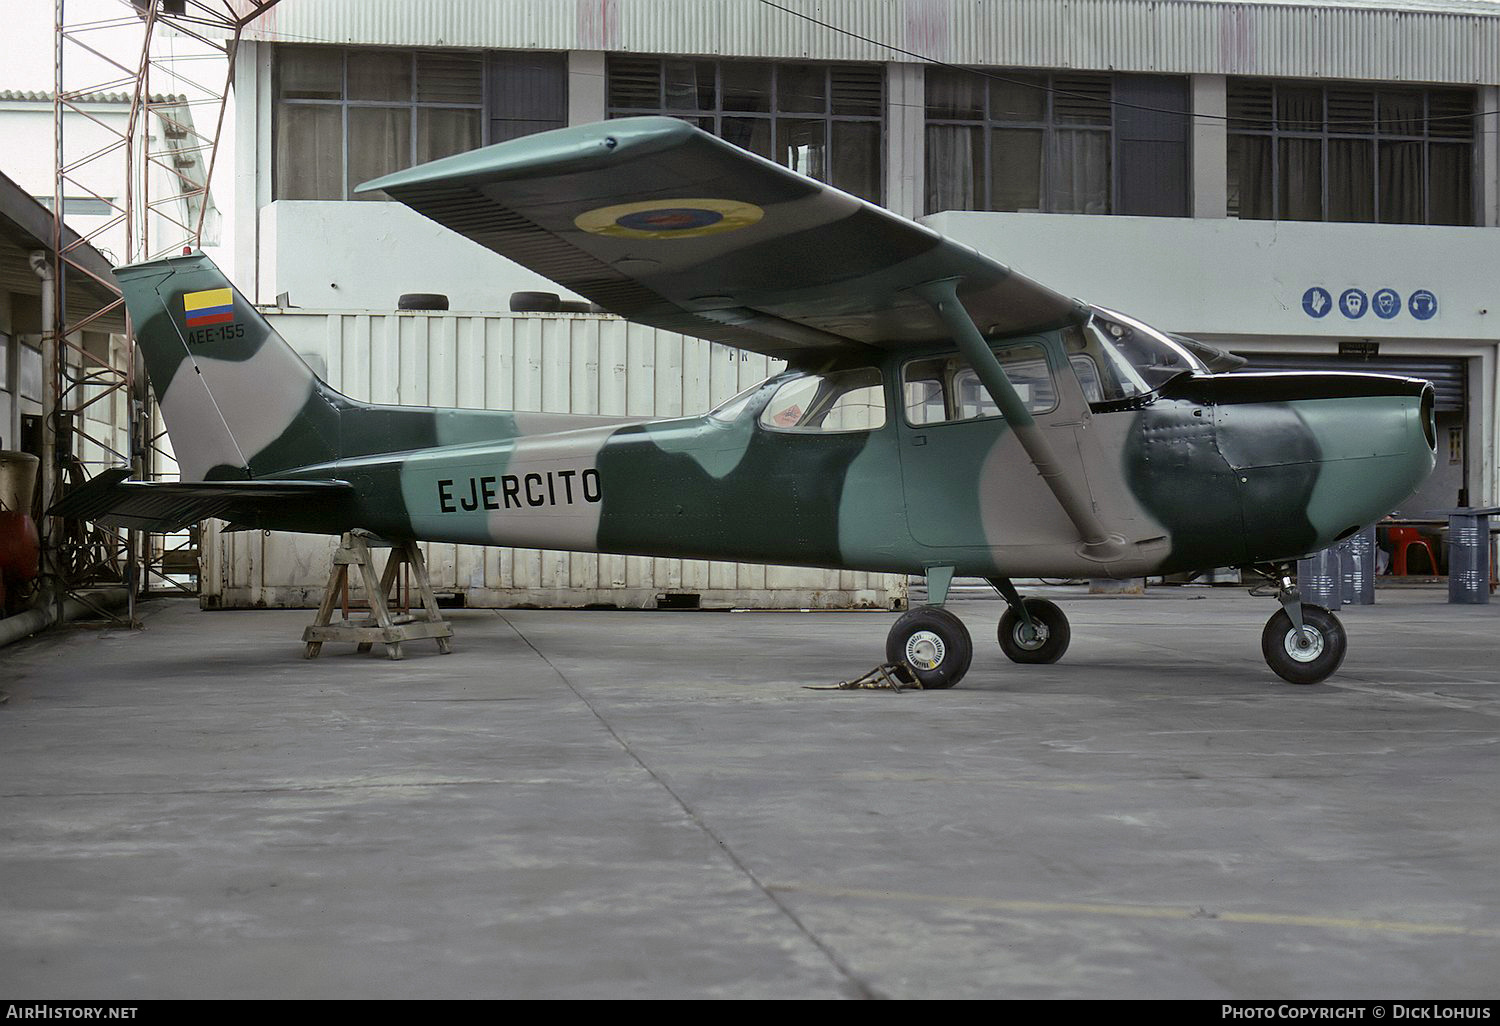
point(108, 499)
point(663, 223)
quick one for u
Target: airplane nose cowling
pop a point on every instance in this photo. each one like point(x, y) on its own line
point(1374, 452)
point(1319, 456)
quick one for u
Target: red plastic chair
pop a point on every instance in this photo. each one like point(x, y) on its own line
point(1403, 538)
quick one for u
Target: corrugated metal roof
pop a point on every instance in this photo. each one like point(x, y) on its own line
point(33, 96)
point(1410, 40)
point(1450, 6)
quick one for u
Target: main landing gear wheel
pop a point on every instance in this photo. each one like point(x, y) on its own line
point(934, 643)
point(1045, 643)
point(1309, 656)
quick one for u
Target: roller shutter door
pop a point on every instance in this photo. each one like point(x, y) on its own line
point(1448, 375)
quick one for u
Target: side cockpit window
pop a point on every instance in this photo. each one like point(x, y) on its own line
point(851, 400)
point(943, 389)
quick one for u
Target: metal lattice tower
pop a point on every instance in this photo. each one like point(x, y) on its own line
point(182, 42)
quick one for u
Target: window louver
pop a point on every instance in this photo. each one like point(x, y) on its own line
point(1450, 115)
point(1249, 106)
point(635, 82)
point(1081, 99)
point(858, 91)
point(450, 78)
point(1351, 111)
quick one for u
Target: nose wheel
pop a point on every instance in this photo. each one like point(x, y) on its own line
point(1307, 654)
point(1302, 643)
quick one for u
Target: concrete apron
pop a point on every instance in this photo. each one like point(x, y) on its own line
point(650, 805)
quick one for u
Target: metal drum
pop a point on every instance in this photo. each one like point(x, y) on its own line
point(20, 547)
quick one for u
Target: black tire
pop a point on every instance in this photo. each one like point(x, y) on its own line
point(1053, 633)
point(422, 301)
point(534, 302)
point(1315, 656)
point(933, 645)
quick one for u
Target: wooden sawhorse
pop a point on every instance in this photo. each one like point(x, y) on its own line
point(381, 625)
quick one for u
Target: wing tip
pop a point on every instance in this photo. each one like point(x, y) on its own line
point(552, 151)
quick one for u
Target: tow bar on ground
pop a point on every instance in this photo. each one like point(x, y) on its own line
point(885, 677)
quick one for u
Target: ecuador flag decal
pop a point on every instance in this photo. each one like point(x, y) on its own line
point(213, 306)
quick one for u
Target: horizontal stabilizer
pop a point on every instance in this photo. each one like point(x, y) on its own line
point(110, 500)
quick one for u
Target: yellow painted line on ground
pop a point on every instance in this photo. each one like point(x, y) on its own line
point(1142, 911)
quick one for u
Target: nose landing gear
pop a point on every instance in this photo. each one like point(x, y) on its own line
point(1302, 643)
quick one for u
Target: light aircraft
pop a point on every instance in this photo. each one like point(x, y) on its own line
point(940, 414)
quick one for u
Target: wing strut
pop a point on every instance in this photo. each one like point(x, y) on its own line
point(1098, 544)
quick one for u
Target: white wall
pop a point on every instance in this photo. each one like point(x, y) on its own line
point(364, 255)
point(1230, 277)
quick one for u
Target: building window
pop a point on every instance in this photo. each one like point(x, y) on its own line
point(31, 374)
point(1313, 152)
point(345, 116)
point(824, 120)
point(1056, 142)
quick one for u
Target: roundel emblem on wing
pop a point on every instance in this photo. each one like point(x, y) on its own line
point(670, 218)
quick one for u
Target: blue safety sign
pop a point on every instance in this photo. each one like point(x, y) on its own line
point(1354, 303)
point(1422, 304)
point(1316, 302)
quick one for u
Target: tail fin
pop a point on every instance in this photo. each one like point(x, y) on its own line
point(237, 401)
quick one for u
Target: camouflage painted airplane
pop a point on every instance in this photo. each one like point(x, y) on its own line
point(940, 414)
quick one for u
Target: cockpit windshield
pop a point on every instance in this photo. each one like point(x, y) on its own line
point(1154, 357)
point(1102, 370)
point(730, 409)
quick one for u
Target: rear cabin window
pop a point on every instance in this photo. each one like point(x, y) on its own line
point(945, 389)
point(852, 400)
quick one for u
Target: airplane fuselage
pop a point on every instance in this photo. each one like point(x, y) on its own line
point(1210, 471)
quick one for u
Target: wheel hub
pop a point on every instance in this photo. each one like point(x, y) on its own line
point(1039, 635)
point(925, 650)
point(1305, 645)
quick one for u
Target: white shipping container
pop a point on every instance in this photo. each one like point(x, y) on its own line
point(553, 363)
